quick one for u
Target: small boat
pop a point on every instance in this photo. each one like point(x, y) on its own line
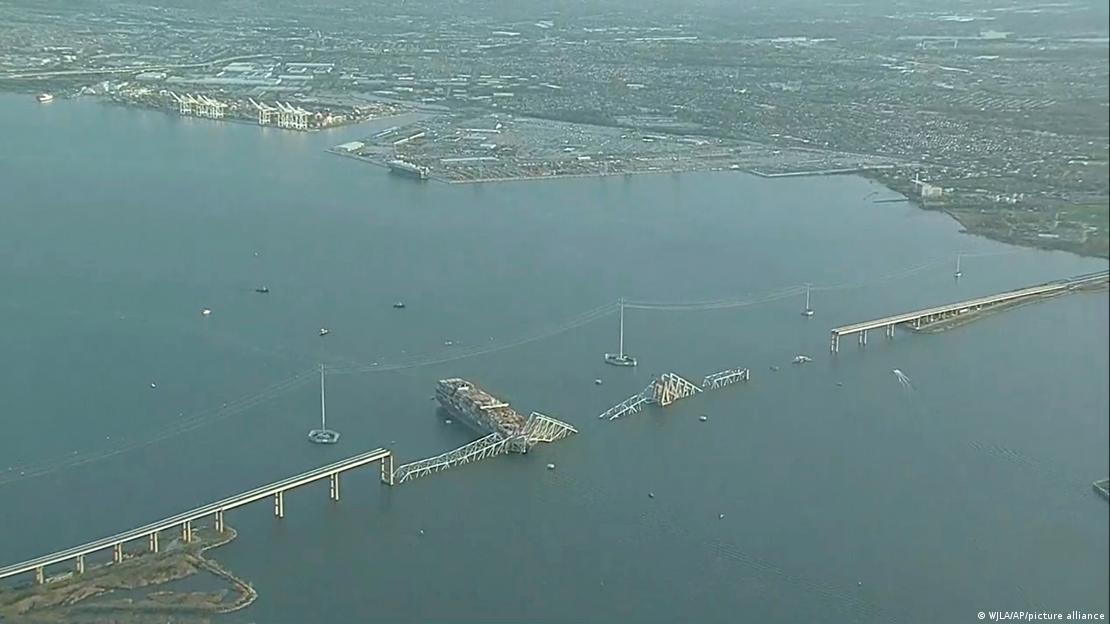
point(447, 421)
point(262, 289)
point(400, 305)
point(774, 368)
point(802, 359)
point(44, 98)
point(551, 466)
point(620, 358)
point(206, 312)
point(323, 435)
point(807, 311)
point(703, 418)
point(324, 331)
point(597, 382)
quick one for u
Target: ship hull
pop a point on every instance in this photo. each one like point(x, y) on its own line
point(485, 414)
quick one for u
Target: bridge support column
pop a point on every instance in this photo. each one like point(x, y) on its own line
point(220, 521)
point(80, 565)
point(117, 553)
point(335, 486)
point(40, 575)
point(890, 331)
point(187, 531)
point(387, 469)
point(279, 504)
point(863, 338)
point(153, 542)
point(834, 343)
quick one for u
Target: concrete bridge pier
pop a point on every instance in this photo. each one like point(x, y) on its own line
point(387, 469)
point(117, 553)
point(890, 331)
point(279, 504)
point(80, 567)
point(335, 486)
point(187, 531)
point(154, 542)
point(834, 343)
point(863, 338)
point(220, 521)
point(40, 575)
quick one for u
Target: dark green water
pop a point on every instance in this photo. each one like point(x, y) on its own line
point(969, 491)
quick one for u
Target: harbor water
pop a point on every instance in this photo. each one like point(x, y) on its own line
point(832, 491)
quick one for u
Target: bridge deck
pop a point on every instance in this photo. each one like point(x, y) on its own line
point(1020, 293)
point(195, 514)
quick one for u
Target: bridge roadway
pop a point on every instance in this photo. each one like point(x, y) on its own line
point(961, 307)
point(216, 509)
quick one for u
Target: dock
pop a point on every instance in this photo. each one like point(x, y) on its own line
point(919, 318)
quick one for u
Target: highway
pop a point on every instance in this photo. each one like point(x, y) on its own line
point(210, 509)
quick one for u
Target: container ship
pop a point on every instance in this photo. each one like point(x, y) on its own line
point(483, 412)
point(406, 168)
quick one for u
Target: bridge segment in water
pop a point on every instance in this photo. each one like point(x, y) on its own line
point(183, 521)
point(919, 318)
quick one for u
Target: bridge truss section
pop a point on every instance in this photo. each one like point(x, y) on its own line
point(631, 405)
point(489, 446)
point(670, 388)
point(541, 428)
point(725, 378)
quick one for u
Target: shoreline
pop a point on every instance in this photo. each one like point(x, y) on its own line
point(871, 173)
point(67, 596)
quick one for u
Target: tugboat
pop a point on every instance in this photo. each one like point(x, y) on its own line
point(323, 435)
point(620, 358)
